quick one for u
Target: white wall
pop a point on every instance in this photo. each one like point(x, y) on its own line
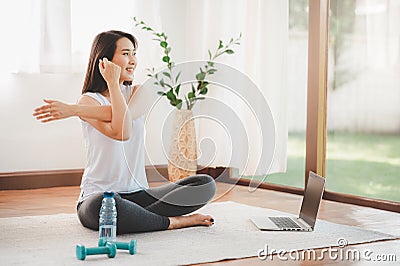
point(27, 144)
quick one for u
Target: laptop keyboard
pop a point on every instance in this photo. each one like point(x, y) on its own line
point(284, 222)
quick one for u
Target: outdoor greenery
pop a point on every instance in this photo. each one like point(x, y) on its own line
point(341, 26)
point(359, 164)
point(169, 80)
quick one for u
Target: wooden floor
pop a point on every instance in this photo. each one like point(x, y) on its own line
point(63, 199)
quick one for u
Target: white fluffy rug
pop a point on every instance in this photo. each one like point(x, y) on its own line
point(51, 239)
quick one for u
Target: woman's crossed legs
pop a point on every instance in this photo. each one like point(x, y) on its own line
point(156, 208)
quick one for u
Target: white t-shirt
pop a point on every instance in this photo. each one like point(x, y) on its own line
point(113, 165)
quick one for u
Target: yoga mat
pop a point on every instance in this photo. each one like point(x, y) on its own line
point(51, 239)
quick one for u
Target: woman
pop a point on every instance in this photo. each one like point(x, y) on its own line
point(115, 148)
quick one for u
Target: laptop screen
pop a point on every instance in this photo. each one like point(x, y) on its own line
point(312, 198)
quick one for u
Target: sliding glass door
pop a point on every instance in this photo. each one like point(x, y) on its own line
point(363, 143)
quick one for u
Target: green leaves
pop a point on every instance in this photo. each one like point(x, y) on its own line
point(201, 76)
point(166, 59)
point(209, 69)
point(177, 89)
point(191, 95)
point(204, 91)
point(179, 104)
point(177, 77)
point(222, 49)
point(170, 95)
point(173, 100)
point(163, 44)
point(202, 87)
point(212, 71)
point(171, 84)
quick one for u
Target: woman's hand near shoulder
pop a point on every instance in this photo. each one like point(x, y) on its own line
point(110, 72)
point(120, 126)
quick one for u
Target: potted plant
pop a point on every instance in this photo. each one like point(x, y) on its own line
point(182, 161)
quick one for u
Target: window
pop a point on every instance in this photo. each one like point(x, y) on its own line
point(363, 143)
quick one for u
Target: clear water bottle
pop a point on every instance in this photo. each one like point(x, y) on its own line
point(108, 218)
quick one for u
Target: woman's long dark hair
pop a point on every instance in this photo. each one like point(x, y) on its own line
point(104, 45)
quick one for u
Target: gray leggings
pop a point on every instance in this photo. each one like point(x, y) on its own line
point(148, 210)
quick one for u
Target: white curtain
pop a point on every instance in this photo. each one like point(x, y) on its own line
point(20, 26)
point(55, 37)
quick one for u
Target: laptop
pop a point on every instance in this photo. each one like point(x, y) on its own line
point(308, 212)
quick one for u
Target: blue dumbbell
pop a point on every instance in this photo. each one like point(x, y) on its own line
point(131, 246)
point(109, 248)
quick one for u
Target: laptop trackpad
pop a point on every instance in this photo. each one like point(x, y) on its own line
point(263, 223)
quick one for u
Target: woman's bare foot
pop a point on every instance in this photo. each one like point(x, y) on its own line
point(190, 220)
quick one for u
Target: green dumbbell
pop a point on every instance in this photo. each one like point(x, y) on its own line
point(109, 248)
point(131, 246)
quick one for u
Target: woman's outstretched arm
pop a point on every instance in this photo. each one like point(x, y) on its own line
point(114, 121)
point(57, 110)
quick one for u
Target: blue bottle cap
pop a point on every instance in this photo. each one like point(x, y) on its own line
point(108, 194)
